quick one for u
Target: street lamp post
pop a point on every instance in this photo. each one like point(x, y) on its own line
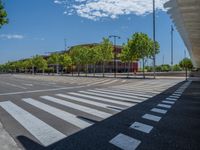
point(115, 37)
point(172, 47)
point(154, 40)
point(65, 41)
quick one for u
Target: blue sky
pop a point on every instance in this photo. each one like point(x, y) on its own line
point(40, 26)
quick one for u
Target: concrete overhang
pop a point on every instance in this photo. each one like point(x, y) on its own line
point(186, 16)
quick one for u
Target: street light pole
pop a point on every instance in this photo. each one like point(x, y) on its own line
point(65, 41)
point(115, 37)
point(154, 40)
point(172, 46)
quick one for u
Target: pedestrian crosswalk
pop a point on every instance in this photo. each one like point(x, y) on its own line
point(79, 109)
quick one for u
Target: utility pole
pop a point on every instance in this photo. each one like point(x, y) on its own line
point(172, 47)
point(65, 41)
point(115, 37)
point(163, 59)
point(154, 39)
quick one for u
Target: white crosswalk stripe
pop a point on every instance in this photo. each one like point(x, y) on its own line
point(122, 95)
point(110, 96)
point(103, 99)
point(70, 118)
point(125, 92)
point(103, 105)
point(78, 107)
point(40, 130)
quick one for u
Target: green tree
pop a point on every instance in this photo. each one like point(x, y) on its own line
point(186, 64)
point(65, 61)
point(94, 56)
point(128, 54)
point(176, 67)
point(165, 67)
point(75, 54)
point(106, 53)
point(40, 63)
point(3, 15)
point(143, 47)
point(54, 60)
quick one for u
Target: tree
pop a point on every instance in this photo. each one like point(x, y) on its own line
point(128, 54)
point(3, 15)
point(105, 52)
point(65, 61)
point(54, 60)
point(40, 63)
point(165, 67)
point(94, 56)
point(176, 67)
point(75, 54)
point(186, 64)
point(143, 47)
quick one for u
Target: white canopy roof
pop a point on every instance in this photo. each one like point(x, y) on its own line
point(186, 16)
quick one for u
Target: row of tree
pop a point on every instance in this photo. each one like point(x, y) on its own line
point(186, 63)
point(139, 46)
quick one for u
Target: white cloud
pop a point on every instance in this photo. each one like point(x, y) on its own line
point(97, 9)
point(11, 36)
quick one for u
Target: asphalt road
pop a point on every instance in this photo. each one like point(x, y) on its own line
point(40, 111)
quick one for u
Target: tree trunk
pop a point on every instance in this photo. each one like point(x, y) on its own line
point(94, 69)
point(86, 70)
point(57, 69)
point(143, 68)
point(72, 69)
point(33, 71)
point(103, 68)
point(186, 73)
point(78, 70)
point(129, 66)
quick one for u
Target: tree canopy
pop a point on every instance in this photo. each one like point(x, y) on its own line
point(3, 15)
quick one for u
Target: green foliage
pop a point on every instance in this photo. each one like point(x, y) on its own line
point(165, 67)
point(53, 59)
point(39, 62)
point(65, 60)
point(106, 50)
point(3, 15)
point(176, 67)
point(186, 63)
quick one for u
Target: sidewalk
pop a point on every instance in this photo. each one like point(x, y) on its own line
point(178, 129)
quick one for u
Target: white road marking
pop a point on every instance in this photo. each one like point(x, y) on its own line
point(178, 95)
point(172, 96)
point(110, 82)
point(122, 95)
point(107, 106)
point(14, 85)
point(123, 81)
point(40, 130)
point(151, 117)
point(125, 92)
point(93, 83)
point(168, 102)
point(28, 84)
point(171, 99)
point(37, 91)
point(85, 109)
point(109, 96)
point(125, 142)
point(103, 99)
point(70, 118)
point(164, 105)
point(162, 111)
point(141, 127)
